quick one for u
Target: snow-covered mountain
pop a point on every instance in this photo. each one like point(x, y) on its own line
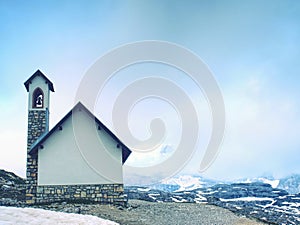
point(291, 184)
point(184, 183)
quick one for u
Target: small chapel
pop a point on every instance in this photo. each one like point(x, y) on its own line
point(78, 160)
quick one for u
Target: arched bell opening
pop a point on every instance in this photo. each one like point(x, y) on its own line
point(38, 98)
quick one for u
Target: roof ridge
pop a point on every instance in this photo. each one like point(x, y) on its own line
point(34, 147)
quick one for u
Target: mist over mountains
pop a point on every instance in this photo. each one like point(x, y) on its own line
point(291, 183)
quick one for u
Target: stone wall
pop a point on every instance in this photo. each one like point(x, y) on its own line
point(37, 125)
point(100, 193)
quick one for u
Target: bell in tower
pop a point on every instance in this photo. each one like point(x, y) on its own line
point(37, 98)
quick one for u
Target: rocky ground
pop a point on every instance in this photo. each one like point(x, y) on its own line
point(142, 212)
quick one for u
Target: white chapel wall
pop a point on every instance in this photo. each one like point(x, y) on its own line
point(62, 161)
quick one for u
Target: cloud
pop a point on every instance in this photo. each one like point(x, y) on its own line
point(261, 134)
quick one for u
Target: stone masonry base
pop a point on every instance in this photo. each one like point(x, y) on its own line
point(97, 193)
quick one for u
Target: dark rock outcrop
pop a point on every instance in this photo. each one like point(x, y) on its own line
point(12, 189)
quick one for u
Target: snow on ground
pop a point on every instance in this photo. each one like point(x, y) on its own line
point(153, 196)
point(144, 189)
point(200, 198)
point(178, 200)
point(246, 199)
point(30, 216)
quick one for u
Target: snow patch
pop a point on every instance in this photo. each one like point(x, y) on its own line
point(143, 189)
point(246, 199)
point(273, 183)
point(177, 200)
point(153, 196)
point(200, 197)
point(30, 216)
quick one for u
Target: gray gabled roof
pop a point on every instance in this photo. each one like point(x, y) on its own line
point(38, 73)
point(34, 148)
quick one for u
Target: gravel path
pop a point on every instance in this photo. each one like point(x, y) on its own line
point(144, 213)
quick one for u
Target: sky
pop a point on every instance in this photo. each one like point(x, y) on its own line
point(251, 47)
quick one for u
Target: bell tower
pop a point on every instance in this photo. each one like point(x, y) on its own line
point(38, 87)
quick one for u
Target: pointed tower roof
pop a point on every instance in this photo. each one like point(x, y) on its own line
point(38, 73)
